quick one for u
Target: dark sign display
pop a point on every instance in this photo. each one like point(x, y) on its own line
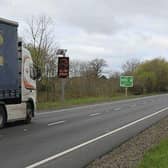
point(63, 67)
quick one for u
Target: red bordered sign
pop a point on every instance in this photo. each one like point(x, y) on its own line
point(63, 67)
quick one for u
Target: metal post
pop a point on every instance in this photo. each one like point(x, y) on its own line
point(63, 89)
point(126, 92)
point(63, 80)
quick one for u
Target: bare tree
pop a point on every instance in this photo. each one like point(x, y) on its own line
point(76, 68)
point(115, 75)
point(93, 69)
point(130, 66)
point(96, 67)
point(42, 43)
point(43, 47)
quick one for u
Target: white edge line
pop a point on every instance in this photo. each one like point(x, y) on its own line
point(93, 140)
point(56, 123)
point(94, 114)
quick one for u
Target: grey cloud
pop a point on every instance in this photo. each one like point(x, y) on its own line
point(134, 7)
point(96, 16)
point(4, 2)
point(92, 16)
point(110, 16)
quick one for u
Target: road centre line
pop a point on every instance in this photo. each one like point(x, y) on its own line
point(94, 140)
point(117, 109)
point(94, 114)
point(56, 123)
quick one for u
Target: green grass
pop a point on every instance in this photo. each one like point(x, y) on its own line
point(157, 157)
point(80, 101)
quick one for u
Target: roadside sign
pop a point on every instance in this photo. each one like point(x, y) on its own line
point(63, 67)
point(126, 81)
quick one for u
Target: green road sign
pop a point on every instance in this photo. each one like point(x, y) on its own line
point(126, 81)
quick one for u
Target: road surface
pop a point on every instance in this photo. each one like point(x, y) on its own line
point(71, 138)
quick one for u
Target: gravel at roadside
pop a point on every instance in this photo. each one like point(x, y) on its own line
point(129, 154)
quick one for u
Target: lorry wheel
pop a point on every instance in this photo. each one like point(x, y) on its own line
point(2, 116)
point(29, 113)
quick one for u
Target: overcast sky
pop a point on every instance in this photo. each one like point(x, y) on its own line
point(115, 30)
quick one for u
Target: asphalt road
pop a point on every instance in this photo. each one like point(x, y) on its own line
point(71, 138)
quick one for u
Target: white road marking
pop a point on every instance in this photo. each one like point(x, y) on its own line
point(94, 140)
point(95, 114)
point(56, 123)
point(133, 105)
point(117, 109)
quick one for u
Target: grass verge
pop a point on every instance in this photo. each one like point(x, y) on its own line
point(80, 101)
point(156, 157)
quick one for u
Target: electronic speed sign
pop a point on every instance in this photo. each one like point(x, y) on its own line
point(63, 67)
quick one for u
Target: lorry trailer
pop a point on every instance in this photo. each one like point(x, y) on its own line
point(18, 77)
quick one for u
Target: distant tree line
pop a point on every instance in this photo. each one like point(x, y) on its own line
point(86, 78)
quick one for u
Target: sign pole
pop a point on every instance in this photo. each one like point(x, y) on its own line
point(63, 70)
point(126, 91)
point(126, 82)
point(62, 89)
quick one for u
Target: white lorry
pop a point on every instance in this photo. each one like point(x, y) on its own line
point(18, 77)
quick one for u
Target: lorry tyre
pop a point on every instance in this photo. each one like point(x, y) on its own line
point(29, 113)
point(2, 116)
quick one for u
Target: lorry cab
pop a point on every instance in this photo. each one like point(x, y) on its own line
point(29, 75)
point(18, 77)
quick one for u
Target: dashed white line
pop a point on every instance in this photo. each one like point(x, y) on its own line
point(133, 105)
point(56, 123)
point(117, 109)
point(94, 140)
point(95, 114)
